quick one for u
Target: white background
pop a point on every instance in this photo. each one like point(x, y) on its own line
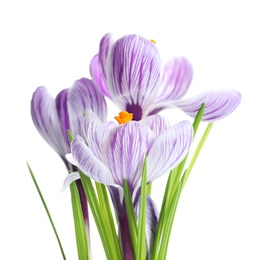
point(51, 43)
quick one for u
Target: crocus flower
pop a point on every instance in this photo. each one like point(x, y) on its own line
point(53, 117)
point(115, 154)
point(129, 72)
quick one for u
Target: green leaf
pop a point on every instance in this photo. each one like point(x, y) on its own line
point(163, 216)
point(80, 227)
point(131, 217)
point(95, 207)
point(141, 245)
point(108, 219)
point(196, 154)
point(70, 136)
point(47, 211)
point(198, 118)
point(149, 188)
point(177, 172)
point(169, 223)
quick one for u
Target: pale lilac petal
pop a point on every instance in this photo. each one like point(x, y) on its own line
point(177, 77)
point(106, 44)
point(124, 151)
point(95, 133)
point(69, 179)
point(97, 77)
point(83, 96)
point(63, 115)
point(70, 158)
point(218, 104)
point(133, 74)
point(110, 125)
point(45, 117)
point(89, 164)
point(169, 149)
point(156, 123)
point(152, 218)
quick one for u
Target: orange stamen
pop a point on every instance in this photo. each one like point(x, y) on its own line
point(124, 117)
point(153, 41)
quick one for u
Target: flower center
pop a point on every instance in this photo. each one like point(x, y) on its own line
point(124, 117)
point(153, 41)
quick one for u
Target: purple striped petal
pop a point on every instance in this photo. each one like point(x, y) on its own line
point(218, 104)
point(124, 151)
point(89, 164)
point(177, 77)
point(45, 117)
point(110, 125)
point(63, 115)
point(117, 195)
point(95, 133)
point(106, 44)
point(169, 149)
point(133, 74)
point(152, 218)
point(83, 96)
point(156, 123)
point(97, 77)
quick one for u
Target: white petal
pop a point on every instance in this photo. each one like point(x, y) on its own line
point(124, 152)
point(156, 123)
point(169, 149)
point(70, 158)
point(95, 132)
point(89, 164)
point(69, 179)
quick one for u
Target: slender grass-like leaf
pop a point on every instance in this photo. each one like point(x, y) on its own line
point(198, 118)
point(47, 211)
point(149, 188)
point(95, 207)
point(169, 224)
point(108, 219)
point(196, 153)
point(162, 219)
point(141, 245)
point(70, 137)
point(179, 169)
point(80, 227)
point(131, 217)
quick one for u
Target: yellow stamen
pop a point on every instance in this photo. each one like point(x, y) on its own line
point(153, 41)
point(124, 117)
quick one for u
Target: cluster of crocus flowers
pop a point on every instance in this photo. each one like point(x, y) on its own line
point(127, 156)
